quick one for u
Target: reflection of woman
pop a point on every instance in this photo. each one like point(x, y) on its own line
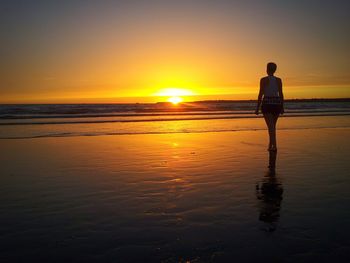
point(271, 100)
point(269, 192)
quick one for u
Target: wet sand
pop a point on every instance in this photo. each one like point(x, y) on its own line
point(199, 197)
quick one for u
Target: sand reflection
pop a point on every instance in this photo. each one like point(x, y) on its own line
point(269, 192)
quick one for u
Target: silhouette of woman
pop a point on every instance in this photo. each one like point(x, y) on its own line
point(271, 100)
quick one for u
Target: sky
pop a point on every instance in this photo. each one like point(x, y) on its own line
point(142, 51)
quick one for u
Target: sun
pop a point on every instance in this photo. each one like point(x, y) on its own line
point(175, 100)
point(174, 95)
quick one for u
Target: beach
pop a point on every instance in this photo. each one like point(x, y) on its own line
point(145, 131)
point(178, 197)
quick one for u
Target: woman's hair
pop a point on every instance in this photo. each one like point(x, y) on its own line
point(271, 67)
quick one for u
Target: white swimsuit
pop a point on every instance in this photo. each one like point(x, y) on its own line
point(271, 92)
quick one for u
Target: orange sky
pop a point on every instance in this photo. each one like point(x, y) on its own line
point(131, 52)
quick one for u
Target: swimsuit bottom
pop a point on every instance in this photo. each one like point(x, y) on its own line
point(271, 105)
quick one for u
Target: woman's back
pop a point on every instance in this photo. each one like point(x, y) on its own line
point(271, 86)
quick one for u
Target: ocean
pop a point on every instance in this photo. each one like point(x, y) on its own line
point(58, 120)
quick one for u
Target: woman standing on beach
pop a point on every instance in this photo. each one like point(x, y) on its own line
point(271, 100)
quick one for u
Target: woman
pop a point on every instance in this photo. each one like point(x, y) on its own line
point(271, 100)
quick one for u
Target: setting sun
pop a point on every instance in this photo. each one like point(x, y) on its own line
point(175, 100)
point(174, 95)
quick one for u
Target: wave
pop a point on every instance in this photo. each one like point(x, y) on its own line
point(40, 121)
point(40, 110)
point(161, 117)
point(69, 116)
point(88, 134)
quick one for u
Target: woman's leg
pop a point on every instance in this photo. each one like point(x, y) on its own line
point(271, 126)
point(274, 121)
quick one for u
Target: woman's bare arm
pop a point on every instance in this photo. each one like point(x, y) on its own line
point(259, 97)
point(280, 91)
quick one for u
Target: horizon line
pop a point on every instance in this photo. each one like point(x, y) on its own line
point(195, 101)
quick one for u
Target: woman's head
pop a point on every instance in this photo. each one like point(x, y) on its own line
point(271, 68)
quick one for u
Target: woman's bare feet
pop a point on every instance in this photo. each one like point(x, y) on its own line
point(272, 148)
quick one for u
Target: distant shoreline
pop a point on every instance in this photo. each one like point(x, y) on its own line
point(288, 100)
